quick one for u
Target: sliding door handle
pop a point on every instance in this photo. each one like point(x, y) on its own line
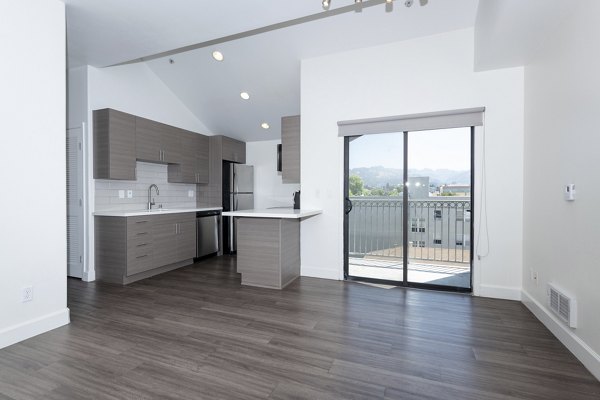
point(348, 206)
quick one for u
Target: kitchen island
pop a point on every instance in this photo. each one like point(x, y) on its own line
point(268, 245)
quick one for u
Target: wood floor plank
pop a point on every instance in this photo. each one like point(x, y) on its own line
point(196, 333)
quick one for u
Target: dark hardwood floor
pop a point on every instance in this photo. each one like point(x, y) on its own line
point(195, 333)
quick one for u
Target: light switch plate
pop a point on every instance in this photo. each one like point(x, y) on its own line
point(130, 194)
point(121, 194)
point(190, 193)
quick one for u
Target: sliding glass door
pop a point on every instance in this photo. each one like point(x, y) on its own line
point(408, 208)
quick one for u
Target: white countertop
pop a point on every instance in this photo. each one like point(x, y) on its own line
point(155, 211)
point(273, 213)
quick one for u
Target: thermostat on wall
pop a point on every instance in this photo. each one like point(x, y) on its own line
point(570, 192)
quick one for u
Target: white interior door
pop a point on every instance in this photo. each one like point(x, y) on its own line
point(75, 234)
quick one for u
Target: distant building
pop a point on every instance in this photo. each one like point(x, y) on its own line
point(456, 190)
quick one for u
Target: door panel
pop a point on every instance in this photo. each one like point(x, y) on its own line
point(440, 207)
point(408, 208)
point(243, 178)
point(374, 207)
point(75, 232)
point(243, 201)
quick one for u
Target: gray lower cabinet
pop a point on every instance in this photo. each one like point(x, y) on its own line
point(233, 150)
point(114, 145)
point(290, 149)
point(132, 248)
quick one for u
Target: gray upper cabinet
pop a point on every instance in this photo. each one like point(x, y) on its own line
point(290, 149)
point(114, 145)
point(192, 166)
point(156, 142)
point(147, 140)
point(120, 139)
point(202, 159)
point(234, 150)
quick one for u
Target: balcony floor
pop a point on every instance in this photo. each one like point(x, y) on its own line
point(436, 273)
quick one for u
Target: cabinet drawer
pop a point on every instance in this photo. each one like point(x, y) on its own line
point(139, 227)
point(140, 242)
point(139, 263)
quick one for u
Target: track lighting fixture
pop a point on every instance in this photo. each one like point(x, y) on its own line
point(408, 3)
point(326, 4)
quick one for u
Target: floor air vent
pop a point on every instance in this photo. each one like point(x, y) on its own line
point(564, 306)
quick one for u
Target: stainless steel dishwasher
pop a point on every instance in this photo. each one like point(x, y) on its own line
point(207, 232)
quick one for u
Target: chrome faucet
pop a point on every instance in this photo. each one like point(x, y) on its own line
point(150, 199)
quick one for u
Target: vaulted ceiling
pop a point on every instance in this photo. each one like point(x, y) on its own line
point(267, 66)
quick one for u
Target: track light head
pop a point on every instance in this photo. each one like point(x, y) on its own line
point(326, 4)
point(408, 3)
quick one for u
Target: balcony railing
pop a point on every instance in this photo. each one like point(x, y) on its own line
point(438, 229)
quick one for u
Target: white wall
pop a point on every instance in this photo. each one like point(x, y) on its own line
point(427, 74)
point(133, 89)
point(269, 191)
point(562, 145)
point(33, 248)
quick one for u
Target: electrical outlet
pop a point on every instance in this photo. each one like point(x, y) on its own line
point(27, 294)
point(190, 193)
point(130, 194)
point(121, 194)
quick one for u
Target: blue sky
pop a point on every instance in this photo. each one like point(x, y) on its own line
point(439, 149)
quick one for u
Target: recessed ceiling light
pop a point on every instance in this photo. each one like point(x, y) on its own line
point(244, 95)
point(264, 125)
point(217, 55)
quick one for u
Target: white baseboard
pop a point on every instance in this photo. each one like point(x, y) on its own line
point(500, 292)
point(578, 347)
point(89, 276)
point(317, 272)
point(16, 333)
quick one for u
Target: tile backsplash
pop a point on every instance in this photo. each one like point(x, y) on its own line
point(171, 195)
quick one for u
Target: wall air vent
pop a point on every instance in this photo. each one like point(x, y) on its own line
point(563, 305)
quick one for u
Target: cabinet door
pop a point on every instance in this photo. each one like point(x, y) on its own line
point(186, 238)
point(234, 150)
point(170, 142)
point(114, 145)
point(290, 149)
point(185, 170)
point(147, 140)
point(165, 240)
point(202, 154)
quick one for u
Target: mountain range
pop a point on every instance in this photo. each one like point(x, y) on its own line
point(380, 176)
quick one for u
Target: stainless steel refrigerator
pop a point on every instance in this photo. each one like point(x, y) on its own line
point(238, 194)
